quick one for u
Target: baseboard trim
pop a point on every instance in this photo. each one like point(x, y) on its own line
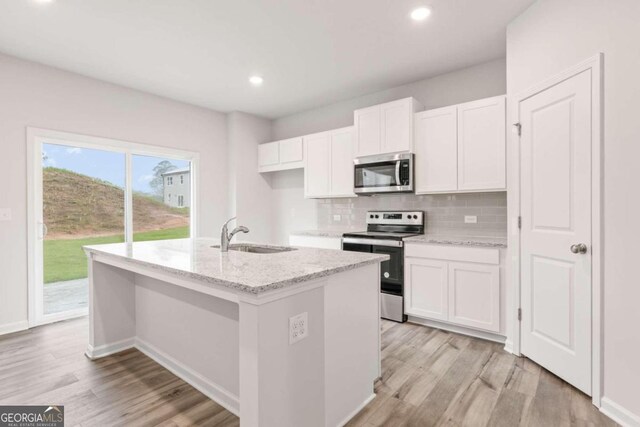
point(508, 346)
point(618, 413)
point(109, 349)
point(9, 328)
point(214, 392)
point(490, 336)
point(357, 410)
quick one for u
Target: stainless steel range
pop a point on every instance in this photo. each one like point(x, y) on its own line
point(385, 233)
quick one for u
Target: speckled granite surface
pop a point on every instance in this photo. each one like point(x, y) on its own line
point(241, 271)
point(325, 233)
point(487, 242)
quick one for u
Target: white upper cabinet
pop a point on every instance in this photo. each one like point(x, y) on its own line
point(436, 147)
point(342, 162)
point(385, 128)
point(317, 182)
point(461, 148)
point(280, 155)
point(368, 130)
point(290, 151)
point(268, 155)
point(329, 164)
point(482, 145)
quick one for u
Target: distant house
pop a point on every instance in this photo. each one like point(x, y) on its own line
point(177, 188)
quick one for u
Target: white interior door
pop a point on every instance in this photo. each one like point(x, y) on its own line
point(556, 144)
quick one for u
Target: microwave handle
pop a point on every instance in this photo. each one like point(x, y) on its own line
point(398, 173)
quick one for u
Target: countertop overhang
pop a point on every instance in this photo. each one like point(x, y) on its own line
point(248, 273)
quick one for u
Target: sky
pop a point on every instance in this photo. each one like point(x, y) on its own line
point(105, 165)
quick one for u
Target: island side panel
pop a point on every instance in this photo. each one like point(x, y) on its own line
point(193, 335)
point(352, 346)
point(282, 384)
point(112, 322)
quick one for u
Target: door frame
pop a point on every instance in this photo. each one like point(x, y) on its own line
point(35, 138)
point(596, 65)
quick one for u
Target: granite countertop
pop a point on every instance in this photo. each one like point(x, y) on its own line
point(325, 233)
point(486, 242)
point(246, 272)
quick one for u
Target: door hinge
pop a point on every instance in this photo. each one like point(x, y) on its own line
point(519, 222)
point(519, 314)
point(517, 129)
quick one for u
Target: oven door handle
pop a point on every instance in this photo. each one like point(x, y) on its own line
point(373, 242)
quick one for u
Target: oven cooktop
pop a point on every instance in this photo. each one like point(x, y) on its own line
point(381, 234)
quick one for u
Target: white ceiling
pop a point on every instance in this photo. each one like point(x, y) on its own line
point(310, 52)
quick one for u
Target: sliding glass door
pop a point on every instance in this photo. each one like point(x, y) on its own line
point(161, 198)
point(86, 191)
point(83, 203)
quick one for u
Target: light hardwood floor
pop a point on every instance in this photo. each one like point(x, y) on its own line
point(430, 377)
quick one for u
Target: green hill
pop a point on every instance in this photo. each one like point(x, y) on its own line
point(77, 205)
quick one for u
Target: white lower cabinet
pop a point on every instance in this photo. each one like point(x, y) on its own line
point(474, 295)
point(426, 292)
point(457, 285)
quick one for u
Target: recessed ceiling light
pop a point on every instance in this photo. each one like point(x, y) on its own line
point(256, 80)
point(420, 14)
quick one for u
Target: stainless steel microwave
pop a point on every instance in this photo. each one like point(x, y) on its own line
point(385, 173)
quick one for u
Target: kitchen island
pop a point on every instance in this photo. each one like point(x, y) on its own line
point(279, 336)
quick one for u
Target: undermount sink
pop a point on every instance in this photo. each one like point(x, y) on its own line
point(257, 249)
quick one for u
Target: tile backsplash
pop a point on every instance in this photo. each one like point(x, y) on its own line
point(444, 212)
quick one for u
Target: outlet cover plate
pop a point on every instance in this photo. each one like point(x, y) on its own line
point(298, 327)
point(470, 219)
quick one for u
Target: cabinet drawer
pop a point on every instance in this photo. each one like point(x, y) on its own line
point(453, 253)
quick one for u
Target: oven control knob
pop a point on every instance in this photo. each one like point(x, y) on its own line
point(415, 217)
point(386, 274)
point(377, 216)
point(370, 216)
point(408, 216)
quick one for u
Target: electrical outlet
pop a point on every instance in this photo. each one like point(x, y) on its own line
point(5, 214)
point(470, 219)
point(298, 327)
point(337, 217)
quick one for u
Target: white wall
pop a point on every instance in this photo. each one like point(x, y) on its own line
point(467, 84)
point(44, 97)
point(547, 38)
point(249, 191)
point(291, 212)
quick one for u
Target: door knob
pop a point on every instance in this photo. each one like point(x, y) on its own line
point(579, 248)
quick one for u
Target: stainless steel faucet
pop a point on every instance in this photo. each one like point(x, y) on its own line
point(225, 236)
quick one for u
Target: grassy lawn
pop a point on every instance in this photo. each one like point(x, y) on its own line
point(65, 259)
